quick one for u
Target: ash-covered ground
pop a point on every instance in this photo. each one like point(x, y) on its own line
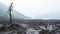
point(30, 26)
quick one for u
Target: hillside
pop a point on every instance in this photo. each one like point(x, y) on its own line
point(15, 15)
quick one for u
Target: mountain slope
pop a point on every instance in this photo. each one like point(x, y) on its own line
point(4, 13)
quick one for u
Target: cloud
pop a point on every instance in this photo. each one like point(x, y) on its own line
point(35, 8)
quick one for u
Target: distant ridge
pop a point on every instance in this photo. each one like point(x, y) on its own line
point(53, 15)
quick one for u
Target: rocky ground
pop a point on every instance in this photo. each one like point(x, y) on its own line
point(31, 27)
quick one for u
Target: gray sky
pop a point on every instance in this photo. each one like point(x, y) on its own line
point(34, 8)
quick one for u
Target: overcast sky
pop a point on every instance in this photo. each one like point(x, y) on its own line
point(34, 8)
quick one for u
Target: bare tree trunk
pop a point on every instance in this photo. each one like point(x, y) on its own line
point(10, 9)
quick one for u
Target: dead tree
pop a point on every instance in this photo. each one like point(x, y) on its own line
point(10, 9)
